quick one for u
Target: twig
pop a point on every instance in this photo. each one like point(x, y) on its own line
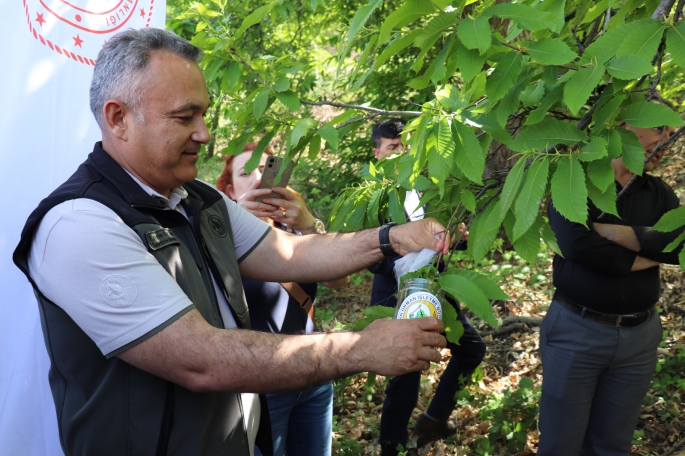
point(447, 231)
point(661, 11)
point(361, 108)
point(253, 70)
point(592, 34)
point(678, 11)
point(512, 327)
point(581, 46)
point(587, 118)
point(419, 105)
point(674, 447)
point(360, 119)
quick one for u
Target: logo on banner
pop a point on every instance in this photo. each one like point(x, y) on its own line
point(77, 29)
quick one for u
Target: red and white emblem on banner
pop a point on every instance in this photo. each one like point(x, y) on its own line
point(77, 29)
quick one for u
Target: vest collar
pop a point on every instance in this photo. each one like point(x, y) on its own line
point(117, 176)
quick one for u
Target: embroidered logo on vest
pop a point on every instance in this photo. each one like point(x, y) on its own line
point(160, 238)
point(217, 226)
point(118, 290)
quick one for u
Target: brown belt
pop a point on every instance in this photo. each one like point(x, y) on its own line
point(625, 321)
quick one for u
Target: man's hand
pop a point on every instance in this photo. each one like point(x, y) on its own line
point(620, 234)
point(415, 236)
point(642, 263)
point(395, 347)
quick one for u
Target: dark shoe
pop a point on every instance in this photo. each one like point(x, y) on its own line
point(389, 449)
point(430, 429)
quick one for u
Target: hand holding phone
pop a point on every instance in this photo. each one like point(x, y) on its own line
point(271, 169)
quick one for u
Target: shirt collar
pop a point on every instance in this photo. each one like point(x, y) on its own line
point(177, 195)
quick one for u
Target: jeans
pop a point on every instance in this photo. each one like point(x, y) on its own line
point(402, 391)
point(302, 421)
point(595, 376)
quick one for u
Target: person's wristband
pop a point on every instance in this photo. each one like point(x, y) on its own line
point(384, 240)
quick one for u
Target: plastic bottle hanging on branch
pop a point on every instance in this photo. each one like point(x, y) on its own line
point(419, 298)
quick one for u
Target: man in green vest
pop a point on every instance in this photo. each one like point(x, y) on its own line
point(136, 266)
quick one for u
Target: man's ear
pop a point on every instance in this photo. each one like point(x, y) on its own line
point(377, 153)
point(114, 112)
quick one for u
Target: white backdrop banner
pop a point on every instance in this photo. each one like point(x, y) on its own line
point(46, 131)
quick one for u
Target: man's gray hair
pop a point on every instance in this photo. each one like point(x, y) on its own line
point(122, 61)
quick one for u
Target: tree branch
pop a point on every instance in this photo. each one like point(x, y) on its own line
point(511, 324)
point(253, 70)
point(361, 108)
point(359, 119)
point(661, 11)
point(678, 11)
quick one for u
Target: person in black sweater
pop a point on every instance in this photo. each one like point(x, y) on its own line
point(599, 338)
point(402, 391)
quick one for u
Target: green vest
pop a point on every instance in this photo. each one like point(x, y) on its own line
point(108, 407)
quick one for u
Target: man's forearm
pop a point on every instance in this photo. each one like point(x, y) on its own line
point(282, 257)
point(620, 234)
point(315, 258)
point(195, 355)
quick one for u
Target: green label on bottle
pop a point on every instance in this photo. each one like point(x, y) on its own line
point(420, 304)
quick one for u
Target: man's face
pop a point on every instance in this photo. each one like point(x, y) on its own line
point(650, 138)
point(163, 150)
point(388, 146)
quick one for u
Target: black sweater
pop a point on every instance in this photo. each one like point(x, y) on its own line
point(595, 272)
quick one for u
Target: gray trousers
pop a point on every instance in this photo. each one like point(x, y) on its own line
point(595, 376)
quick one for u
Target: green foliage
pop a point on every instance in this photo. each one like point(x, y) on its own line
point(550, 51)
point(648, 115)
point(569, 191)
point(469, 293)
point(671, 220)
point(551, 80)
point(511, 416)
point(668, 384)
point(373, 313)
point(528, 204)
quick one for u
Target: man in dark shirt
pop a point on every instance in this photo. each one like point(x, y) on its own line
point(402, 391)
point(599, 338)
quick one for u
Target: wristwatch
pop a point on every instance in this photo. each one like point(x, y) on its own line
point(319, 227)
point(384, 239)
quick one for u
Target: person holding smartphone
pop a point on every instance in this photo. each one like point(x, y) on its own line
point(302, 420)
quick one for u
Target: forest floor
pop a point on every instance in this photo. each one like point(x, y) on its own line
point(495, 417)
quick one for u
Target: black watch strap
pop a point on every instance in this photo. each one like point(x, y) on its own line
point(384, 239)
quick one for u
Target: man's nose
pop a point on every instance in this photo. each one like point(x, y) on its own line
point(201, 133)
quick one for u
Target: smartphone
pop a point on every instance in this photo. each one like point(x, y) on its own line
point(271, 169)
